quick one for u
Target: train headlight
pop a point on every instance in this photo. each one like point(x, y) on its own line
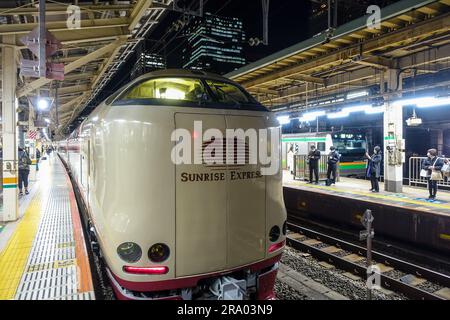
point(284, 228)
point(274, 233)
point(129, 251)
point(158, 252)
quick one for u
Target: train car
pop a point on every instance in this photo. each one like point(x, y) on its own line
point(351, 145)
point(170, 230)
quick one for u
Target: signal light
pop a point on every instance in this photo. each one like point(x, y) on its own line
point(146, 270)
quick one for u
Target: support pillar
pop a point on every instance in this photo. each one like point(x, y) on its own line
point(9, 118)
point(393, 136)
point(437, 140)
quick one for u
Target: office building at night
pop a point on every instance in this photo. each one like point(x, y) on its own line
point(147, 62)
point(215, 44)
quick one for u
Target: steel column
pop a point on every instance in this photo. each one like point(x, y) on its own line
point(393, 134)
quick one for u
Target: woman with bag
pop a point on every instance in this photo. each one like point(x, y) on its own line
point(433, 165)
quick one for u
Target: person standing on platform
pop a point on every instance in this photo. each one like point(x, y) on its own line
point(24, 170)
point(374, 167)
point(333, 159)
point(38, 156)
point(313, 158)
point(433, 164)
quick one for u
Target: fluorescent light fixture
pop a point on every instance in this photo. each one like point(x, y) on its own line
point(357, 94)
point(43, 104)
point(336, 115)
point(363, 107)
point(423, 102)
point(433, 102)
point(283, 120)
point(311, 116)
point(375, 110)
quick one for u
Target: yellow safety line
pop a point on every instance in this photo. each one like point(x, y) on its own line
point(379, 196)
point(14, 257)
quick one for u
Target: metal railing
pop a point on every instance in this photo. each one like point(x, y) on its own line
point(301, 167)
point(415, 165)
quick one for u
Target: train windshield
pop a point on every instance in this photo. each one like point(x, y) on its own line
point(183, 89)
point(190, 92)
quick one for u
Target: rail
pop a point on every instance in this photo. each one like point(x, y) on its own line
point(415, 165)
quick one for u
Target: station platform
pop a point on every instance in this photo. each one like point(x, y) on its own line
point(413, 198)
point(43, 255)
point(407, 218)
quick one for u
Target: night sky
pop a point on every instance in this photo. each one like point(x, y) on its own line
point(288, 24)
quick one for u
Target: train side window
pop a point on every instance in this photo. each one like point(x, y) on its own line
point(321, 146)
point(182, 89)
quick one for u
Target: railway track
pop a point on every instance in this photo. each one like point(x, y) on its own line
point(413, 281)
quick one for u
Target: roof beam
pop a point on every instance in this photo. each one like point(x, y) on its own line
point(68, 104)
point(373, 61)
point(61, 26)
point(72, 89)
point(307, 78)
point(398, 37)
point(139, 10)
point(28, 88)
point(58, 9)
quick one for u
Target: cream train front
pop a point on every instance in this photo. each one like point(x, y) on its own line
point(167, 228)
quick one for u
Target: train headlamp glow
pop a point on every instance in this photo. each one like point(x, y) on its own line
point(158, 252)
point(129, 252)
point(274, 233)
point(170, 93)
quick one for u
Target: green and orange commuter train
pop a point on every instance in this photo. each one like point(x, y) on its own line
point(351, 145)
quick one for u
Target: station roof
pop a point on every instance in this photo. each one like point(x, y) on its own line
point(91, 55)
point(413, 33)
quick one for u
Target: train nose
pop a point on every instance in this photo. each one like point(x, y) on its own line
point(220, 208)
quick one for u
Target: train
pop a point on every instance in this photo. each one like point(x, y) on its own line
point(169, 229)
point(350, 144)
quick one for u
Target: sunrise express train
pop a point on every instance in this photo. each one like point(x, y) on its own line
point(162, 232)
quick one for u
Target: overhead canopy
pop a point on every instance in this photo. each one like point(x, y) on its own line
point(91, 54)
point(413, 33)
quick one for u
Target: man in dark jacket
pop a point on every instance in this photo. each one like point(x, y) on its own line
point(333, 159)
point(374, 168)
point(432, 162)
point(38, 157)
point(313, 158)
point(24, 170)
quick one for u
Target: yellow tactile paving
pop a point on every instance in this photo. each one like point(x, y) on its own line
point(14, 257)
